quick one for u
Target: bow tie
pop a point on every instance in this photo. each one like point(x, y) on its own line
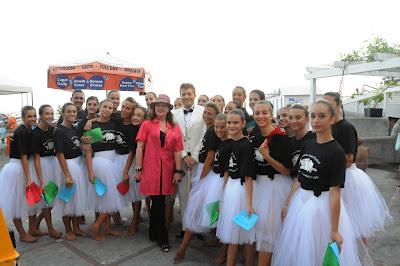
point(187, 111)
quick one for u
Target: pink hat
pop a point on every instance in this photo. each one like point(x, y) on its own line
point(162, 98)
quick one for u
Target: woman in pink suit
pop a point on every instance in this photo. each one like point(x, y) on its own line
point(158, 164)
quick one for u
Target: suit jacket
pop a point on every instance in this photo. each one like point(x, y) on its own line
point(193, 134)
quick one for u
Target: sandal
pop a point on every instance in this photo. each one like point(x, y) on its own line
point(164, 248)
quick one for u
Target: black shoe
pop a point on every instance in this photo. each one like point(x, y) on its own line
point(180, 235)
point(201, 237)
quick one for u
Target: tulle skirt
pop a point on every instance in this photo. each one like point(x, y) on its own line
point(233, 201)
point(37, 208)
point(268, 200)
point(191, 218)
point(104, 169)
point(133, 194)
point(12, 190)
point(79, 202)
point(213, 186)
point(366, 207)
point(306, 232)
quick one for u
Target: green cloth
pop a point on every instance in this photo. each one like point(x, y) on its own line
point(331, 258)
point(95, 134)
point(50, 192)
point(213, 210)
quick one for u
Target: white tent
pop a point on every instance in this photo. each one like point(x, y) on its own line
point(8, 87)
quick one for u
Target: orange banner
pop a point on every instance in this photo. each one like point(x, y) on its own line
point(98, 67)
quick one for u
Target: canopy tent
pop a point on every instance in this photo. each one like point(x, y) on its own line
point(384, 68)
point(8, 86)
point(102, 73)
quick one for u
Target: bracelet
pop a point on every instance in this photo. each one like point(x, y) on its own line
point(179, 171)
point(137, 170)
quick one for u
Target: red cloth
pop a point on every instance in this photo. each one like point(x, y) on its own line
point(277, 131)
point(149, 133)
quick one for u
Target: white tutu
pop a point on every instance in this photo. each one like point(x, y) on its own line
point(213, 186)
point(196, 175)
point(133, 194)
point(268, 200)
point(104, 170)
point(306, 233)
point(77, 206)
point(233, 201)
point(37, 208)
point(366, 207)
point(12, 190)
point(191, 218)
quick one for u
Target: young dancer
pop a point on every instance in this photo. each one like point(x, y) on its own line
point(69, 155)
point(218, 100)
point(238, 192)
point(367, 208)
point(102, 167)
point(316, 215)
point(273, 164)
point(15, 177)
point(45, 165)
point(210, 143)
point(283, 120)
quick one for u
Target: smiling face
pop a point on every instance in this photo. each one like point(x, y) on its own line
point(69, 113)
point(229, 107)
point(238, 96)
point(161, 109)
point(78, 98)
point(47, 115)
point(253, 99)
point(150, 98)
point(188, 95)
point(298, 119)
point(138, 116)
point(209, 115)
point(106, 109)
point(127, 109)
point(115, 99)
point(91, 106)
point(218, 100)
point(235, 125)
point(283, 117)
point(178, 103)
point(203, 100)
point(321, 118)
point(220, 129)
point(29, 118)
point(262, 115)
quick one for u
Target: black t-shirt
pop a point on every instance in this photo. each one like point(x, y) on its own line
point(210, 142)
point(126, 138)
point(241, 161)
point(221, 158)
point(43, 142)
point(20, 142)
point(82, 114)
point(109, 130)
point(116, 117)
point(345, 133)
point(321, 166)
point(67, 142)
point(297, 145)
point(279, 149)
point(247, 117)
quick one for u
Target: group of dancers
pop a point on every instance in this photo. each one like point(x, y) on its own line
point(302, 183)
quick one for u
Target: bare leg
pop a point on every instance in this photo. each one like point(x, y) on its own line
point(32, 227)
point(69, 235)
point(107, 227)
point(23, 235)
point(249, 254)
point(117, 219)
point(136, 206)
point(180, 254)
point(232, 253)
point(39, 219)
point(76, 229)
point(46, 213)
point(96, 227)
point(221, 257)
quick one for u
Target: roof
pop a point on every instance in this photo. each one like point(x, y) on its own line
point(8, 86)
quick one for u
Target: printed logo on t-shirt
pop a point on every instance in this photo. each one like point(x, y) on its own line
point(307, 164)
point(76, 142)
point(75, 123)
point(49, 144)
point(109, 135)
point(295, 157)
point(258, 156)
point(232, 163)
point(120, 139)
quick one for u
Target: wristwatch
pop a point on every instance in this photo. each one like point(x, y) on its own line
point(137, 170)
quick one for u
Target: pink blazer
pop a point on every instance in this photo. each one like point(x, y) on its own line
point(156, 158)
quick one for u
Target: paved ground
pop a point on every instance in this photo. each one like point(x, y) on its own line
point(384, 248)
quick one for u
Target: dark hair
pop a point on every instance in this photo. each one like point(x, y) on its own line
point(267, 103)
point(260, 93)
point(169, 118)
point(146, 113)
point(44, 106)
point(219, 96)
point(241, 88)
point(205, 96)
point(236, 105)
point(111, 92)
point(302, 107)
point(150, 92)
point(76, 91)
point(133, 101)
point(185, 86)
point(105, 100)
point(66, 105)
point(26, 109)
point(337, 99)
point(92, 98)
point(237, 112)
point(213, 106)
point(331, 110)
